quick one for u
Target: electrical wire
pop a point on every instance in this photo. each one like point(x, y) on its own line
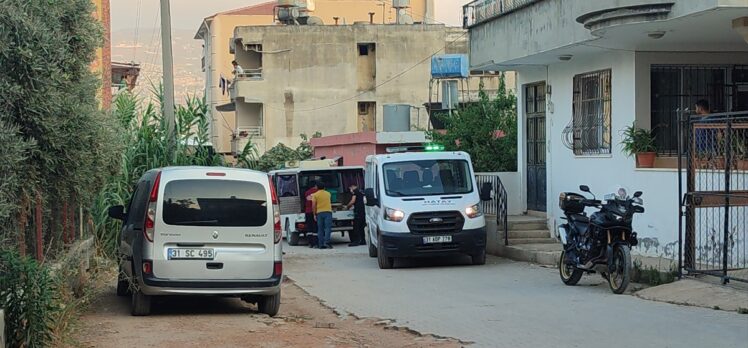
point(137, 29)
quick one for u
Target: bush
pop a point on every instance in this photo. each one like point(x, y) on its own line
point(27, 294)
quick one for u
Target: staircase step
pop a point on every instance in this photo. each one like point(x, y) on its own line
point(532, 241)
point(527, 226)
point(529, 234)
point(544, 254)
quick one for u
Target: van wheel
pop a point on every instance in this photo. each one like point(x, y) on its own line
point(123, 285)
point(293, 238)
point(479, 258)
point(141, 304)
point(384, 261)
point(372, 249)
point(269, 305)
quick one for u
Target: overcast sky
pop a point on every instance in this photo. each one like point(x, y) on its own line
point(187, 14)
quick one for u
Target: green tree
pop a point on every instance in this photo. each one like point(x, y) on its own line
point(276, 157)
point(61, 142)
point(486, 129)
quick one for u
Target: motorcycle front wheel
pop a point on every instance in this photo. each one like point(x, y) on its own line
point(570, 275)
point(620, 269)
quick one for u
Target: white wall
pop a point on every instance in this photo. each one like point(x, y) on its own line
point(565, 171)
point(514, 189)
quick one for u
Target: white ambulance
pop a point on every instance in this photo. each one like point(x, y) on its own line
point(423, 204)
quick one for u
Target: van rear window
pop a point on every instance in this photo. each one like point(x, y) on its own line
point(223, 203)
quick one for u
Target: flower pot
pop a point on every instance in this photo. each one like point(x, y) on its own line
point(645, 159)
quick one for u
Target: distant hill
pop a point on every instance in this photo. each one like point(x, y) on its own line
point(187, 52)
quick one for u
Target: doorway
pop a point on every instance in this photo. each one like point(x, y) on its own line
point(536, 151)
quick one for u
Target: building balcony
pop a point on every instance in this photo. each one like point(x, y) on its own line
point(479, 11)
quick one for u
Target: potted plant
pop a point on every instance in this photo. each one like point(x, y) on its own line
point(640, 142)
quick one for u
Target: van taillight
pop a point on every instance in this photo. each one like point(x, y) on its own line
point(278, 269)
point(150, 216)
point(276, 213)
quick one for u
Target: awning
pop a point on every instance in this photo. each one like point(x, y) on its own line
point(228, 107)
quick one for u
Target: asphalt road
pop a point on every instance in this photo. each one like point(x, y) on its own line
point(504, 303)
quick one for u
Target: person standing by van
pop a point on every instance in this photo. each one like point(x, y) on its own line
point(309, 218)
point(322, 207)
point(359, 216)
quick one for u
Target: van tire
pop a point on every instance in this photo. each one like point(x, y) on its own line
point(141, 304)
point(479, 258)
point(123, 284)
point(384, 261)
point(372, 249)
point(293, 238)
point(269, 305)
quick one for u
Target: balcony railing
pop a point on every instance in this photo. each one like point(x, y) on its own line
point(251, 74)
point(249, 132)
point(480, 11)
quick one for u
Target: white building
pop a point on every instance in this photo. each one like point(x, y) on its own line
point(588, 69)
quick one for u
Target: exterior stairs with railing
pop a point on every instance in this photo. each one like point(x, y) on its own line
point(530, 240)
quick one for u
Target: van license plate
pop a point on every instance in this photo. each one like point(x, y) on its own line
point(437, 239)
point(191, 254)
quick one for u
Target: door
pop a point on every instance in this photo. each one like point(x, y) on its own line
point(536, 154)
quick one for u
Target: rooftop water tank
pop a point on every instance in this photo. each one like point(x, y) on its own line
point(396, 118)
point(449, 66)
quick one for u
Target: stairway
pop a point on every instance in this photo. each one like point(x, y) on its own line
point(531, 241)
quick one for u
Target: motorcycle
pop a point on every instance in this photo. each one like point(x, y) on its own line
point(601, 242)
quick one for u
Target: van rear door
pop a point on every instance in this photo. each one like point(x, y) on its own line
point(214, 225)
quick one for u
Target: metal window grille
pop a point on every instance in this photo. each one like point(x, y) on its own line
point(677, 88)
point(592, 113)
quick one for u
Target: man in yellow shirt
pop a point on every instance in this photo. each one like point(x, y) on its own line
point(322, 208)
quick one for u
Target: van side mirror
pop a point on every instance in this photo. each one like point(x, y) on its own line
point(637, 194)
point(485, 191)
point(370, 199)
point(584, 188)
point(117, 212)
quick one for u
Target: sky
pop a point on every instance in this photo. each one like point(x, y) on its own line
point(188, 14)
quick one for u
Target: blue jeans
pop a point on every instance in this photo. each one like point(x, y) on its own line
point(324, 228)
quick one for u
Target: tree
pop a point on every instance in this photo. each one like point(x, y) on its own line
point(486, 129)
point(48, 107)
point(276, 157)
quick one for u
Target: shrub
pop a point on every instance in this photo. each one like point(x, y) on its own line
point(27, 294)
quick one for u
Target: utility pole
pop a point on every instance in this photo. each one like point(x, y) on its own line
point(168, 61)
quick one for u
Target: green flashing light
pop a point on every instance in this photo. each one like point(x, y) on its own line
point(434, 147)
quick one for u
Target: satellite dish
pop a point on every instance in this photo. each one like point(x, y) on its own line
point(406, 19)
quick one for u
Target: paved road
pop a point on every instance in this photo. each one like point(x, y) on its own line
point(504, 303)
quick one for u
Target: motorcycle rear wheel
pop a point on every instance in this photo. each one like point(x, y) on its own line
point(620, 274)
point(570, 275)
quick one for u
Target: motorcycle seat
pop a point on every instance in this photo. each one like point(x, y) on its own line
point(580, 218)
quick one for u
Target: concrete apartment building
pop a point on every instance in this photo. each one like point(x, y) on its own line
point(218, 30)
point(333, 79)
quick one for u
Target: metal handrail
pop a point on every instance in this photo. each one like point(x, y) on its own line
point(498, 205)
point(479, 11)
point(253, 74)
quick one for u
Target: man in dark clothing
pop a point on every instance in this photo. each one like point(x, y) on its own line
point(310, 224)
point(358, 236)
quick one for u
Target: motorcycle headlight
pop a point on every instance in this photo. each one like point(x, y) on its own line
point(394, 215)
point(473, 211)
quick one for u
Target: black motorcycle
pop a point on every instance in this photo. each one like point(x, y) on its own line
point(601, 242)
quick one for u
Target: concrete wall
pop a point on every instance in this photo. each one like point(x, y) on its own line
point(550, 24)
point(312, 87)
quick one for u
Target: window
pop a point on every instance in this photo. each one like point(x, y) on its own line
point(287, 186)
point(363, 108)
point(363, 49)
point(222, 203)
point(675, 88)
point(427, 177)
point(591, 120)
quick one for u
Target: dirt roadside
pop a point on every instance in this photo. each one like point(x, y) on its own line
point(229, 322)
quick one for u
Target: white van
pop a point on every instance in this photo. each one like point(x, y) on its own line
point(423, 204)
point(201, 230)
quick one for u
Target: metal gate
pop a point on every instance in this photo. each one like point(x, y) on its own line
point(536, 171)
point(714, 206)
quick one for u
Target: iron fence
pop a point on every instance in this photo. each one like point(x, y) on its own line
point(497, 205)
point(480, 11)
point(714, 202)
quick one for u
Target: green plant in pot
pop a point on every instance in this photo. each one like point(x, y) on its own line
point(640, 143)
